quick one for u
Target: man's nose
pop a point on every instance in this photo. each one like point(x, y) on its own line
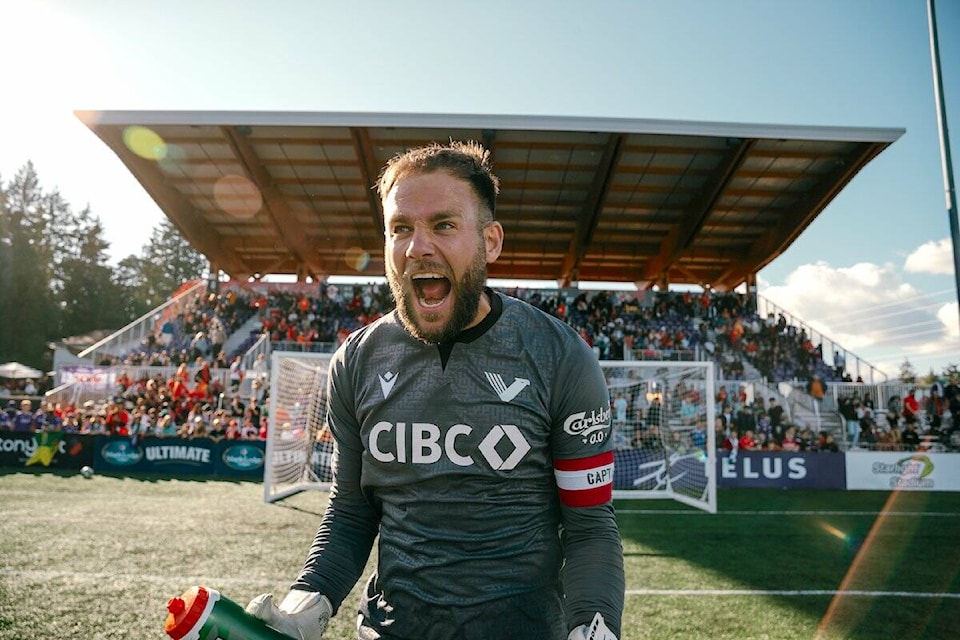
point(420, 244)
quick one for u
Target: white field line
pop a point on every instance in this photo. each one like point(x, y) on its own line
point(265, 582)
point(905, 514)
point(41, 574)
point(780, 593)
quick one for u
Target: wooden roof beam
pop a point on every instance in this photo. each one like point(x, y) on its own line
point(370, 171)
point(283, 220)
point(694, 217)
point(590, 214)
point(774, 240)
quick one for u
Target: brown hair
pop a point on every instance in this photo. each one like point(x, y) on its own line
point(468, 161)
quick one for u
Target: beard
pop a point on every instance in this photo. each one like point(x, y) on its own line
point(466, 292)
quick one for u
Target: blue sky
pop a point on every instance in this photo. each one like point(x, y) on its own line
point(874, 272)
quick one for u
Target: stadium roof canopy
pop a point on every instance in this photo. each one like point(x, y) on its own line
point(582, 199)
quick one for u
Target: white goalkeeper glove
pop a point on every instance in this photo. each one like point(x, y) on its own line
point(596, 631)
point(303, 615)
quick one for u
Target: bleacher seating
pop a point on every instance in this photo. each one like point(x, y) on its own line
point(668, 325)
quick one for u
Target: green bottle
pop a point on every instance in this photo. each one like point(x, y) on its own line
point(203, 614)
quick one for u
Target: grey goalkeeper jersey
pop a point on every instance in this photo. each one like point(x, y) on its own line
point(483, 475)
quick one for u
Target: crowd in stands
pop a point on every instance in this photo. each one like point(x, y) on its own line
point(922, 419)
point(617, 325)
point(189, 404)
point(739, 425)
point(25, 387)
point(177, 407)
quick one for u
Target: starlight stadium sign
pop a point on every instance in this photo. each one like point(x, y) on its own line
point(902, 470)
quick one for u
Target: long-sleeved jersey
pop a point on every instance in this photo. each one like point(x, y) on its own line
point(486, 468)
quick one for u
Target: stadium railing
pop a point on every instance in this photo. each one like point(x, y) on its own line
point(134, 333)
point(853, 363)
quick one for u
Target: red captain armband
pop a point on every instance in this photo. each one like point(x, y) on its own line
point(585, 482)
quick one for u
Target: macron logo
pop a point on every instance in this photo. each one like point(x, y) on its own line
point(386, 382)
point(503, 391)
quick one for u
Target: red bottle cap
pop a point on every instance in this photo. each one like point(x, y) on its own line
point(188, 613)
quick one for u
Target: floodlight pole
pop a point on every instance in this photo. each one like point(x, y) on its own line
point(951, 192)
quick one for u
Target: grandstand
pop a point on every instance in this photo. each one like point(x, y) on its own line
point(657, 204)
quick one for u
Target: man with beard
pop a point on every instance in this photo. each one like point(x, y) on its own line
point(472, 433)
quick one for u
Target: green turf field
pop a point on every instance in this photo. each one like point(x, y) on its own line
point(98, 558)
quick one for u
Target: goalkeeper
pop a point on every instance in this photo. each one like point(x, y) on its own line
point(472, 433)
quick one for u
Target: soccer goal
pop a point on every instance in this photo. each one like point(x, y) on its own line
point(662, 416)
point(299, 447)
point(664, 440)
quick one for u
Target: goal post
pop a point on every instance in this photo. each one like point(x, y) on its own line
point(662, 416)
point(299, 448)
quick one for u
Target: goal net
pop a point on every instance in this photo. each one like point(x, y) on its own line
point(662, 428)
point(664, 440)
point(299, 448)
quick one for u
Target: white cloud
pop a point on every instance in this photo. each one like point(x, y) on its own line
point(934, 257)
point(948, 315)
point(872, 312)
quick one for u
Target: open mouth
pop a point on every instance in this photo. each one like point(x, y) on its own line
point(431, 289)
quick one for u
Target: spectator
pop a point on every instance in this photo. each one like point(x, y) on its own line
point(894, 407)
point(24, 418)
point(232, 431)
point(790, 441)
point(731, 443)
point(848, 410)
point(827, 442)
point(236, 374)
point(166, 427)
point(260, 370)
point(197, 428)
point(620, 410)
point(911, 407)
point(869, 438)
point(817, 390)
point(910, 438)
point(934, 407)
point(775, 413)
point(117, 420)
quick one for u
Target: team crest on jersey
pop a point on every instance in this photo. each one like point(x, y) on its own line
point(386, 382)
point(504, 392)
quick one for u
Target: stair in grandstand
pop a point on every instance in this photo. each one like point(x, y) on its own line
point(246, 334)
point(797, 403)
point(136, 332)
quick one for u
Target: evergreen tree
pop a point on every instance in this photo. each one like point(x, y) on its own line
point(168, 261)
point(89, 296)
point(128, 279)
point(907, 373)
point(27, 312)
point(951, 374)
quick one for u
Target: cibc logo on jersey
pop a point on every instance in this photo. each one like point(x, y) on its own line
point(591, 428)
point(423, 443)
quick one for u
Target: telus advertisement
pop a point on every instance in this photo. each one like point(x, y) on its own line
point(781, 470)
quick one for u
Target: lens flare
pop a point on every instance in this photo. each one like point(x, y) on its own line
point(356, 258)
point(833, 531)
point(237, 196)
point(145, 142)
point(173, 161)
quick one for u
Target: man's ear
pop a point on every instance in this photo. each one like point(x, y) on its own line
point(493, 240)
